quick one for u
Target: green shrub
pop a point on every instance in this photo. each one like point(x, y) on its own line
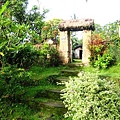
point(23, 55)
point(55, 59)
point(44, 50)
point(103, 53)
point(87, 97)
point(114, 48)
point(97, 47)
point(26, 56)
point(13, 80)
point(49, 56)
point(104, 61)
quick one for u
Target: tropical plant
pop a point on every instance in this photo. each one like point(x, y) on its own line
point(12, 36)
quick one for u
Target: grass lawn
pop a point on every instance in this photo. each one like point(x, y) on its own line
point(113, 72)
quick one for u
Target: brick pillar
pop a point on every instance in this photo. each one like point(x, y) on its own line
point(86, 52)
point(65, 49)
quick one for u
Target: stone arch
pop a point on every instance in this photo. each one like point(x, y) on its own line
point(85, 25)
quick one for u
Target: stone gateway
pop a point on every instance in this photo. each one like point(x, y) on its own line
point(85, 25)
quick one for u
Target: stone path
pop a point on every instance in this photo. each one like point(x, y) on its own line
point(54, 104)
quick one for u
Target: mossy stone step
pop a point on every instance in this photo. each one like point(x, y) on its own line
point(58, 79)
point(55, 94)
point(72, 65)
point(53, 109)
point(77, 60)
point(48, 103)
point(62, 80)
point(69, 72)
point(49, 109)
point(55, 91)
point(42, 103)
point(49, 94)
point(55, 104)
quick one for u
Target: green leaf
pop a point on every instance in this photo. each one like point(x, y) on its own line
point(1, 54)
point(4, 7)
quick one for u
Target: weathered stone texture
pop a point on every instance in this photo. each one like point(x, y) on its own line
point(65, 49)
point(86, 52)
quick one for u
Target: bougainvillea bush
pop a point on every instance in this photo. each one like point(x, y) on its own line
point(88, 97)
point(101, 56)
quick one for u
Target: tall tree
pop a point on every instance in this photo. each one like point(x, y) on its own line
point(16, 9)
point(50, 29)
point(34, 19)
point(108, 31)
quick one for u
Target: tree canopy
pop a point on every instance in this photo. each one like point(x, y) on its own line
point(50, 29)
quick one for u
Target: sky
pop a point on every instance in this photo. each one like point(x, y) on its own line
point(102, 11)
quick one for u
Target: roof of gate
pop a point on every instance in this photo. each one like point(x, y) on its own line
point(77, 25)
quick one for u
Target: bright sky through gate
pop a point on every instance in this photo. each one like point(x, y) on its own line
point(102, 11)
